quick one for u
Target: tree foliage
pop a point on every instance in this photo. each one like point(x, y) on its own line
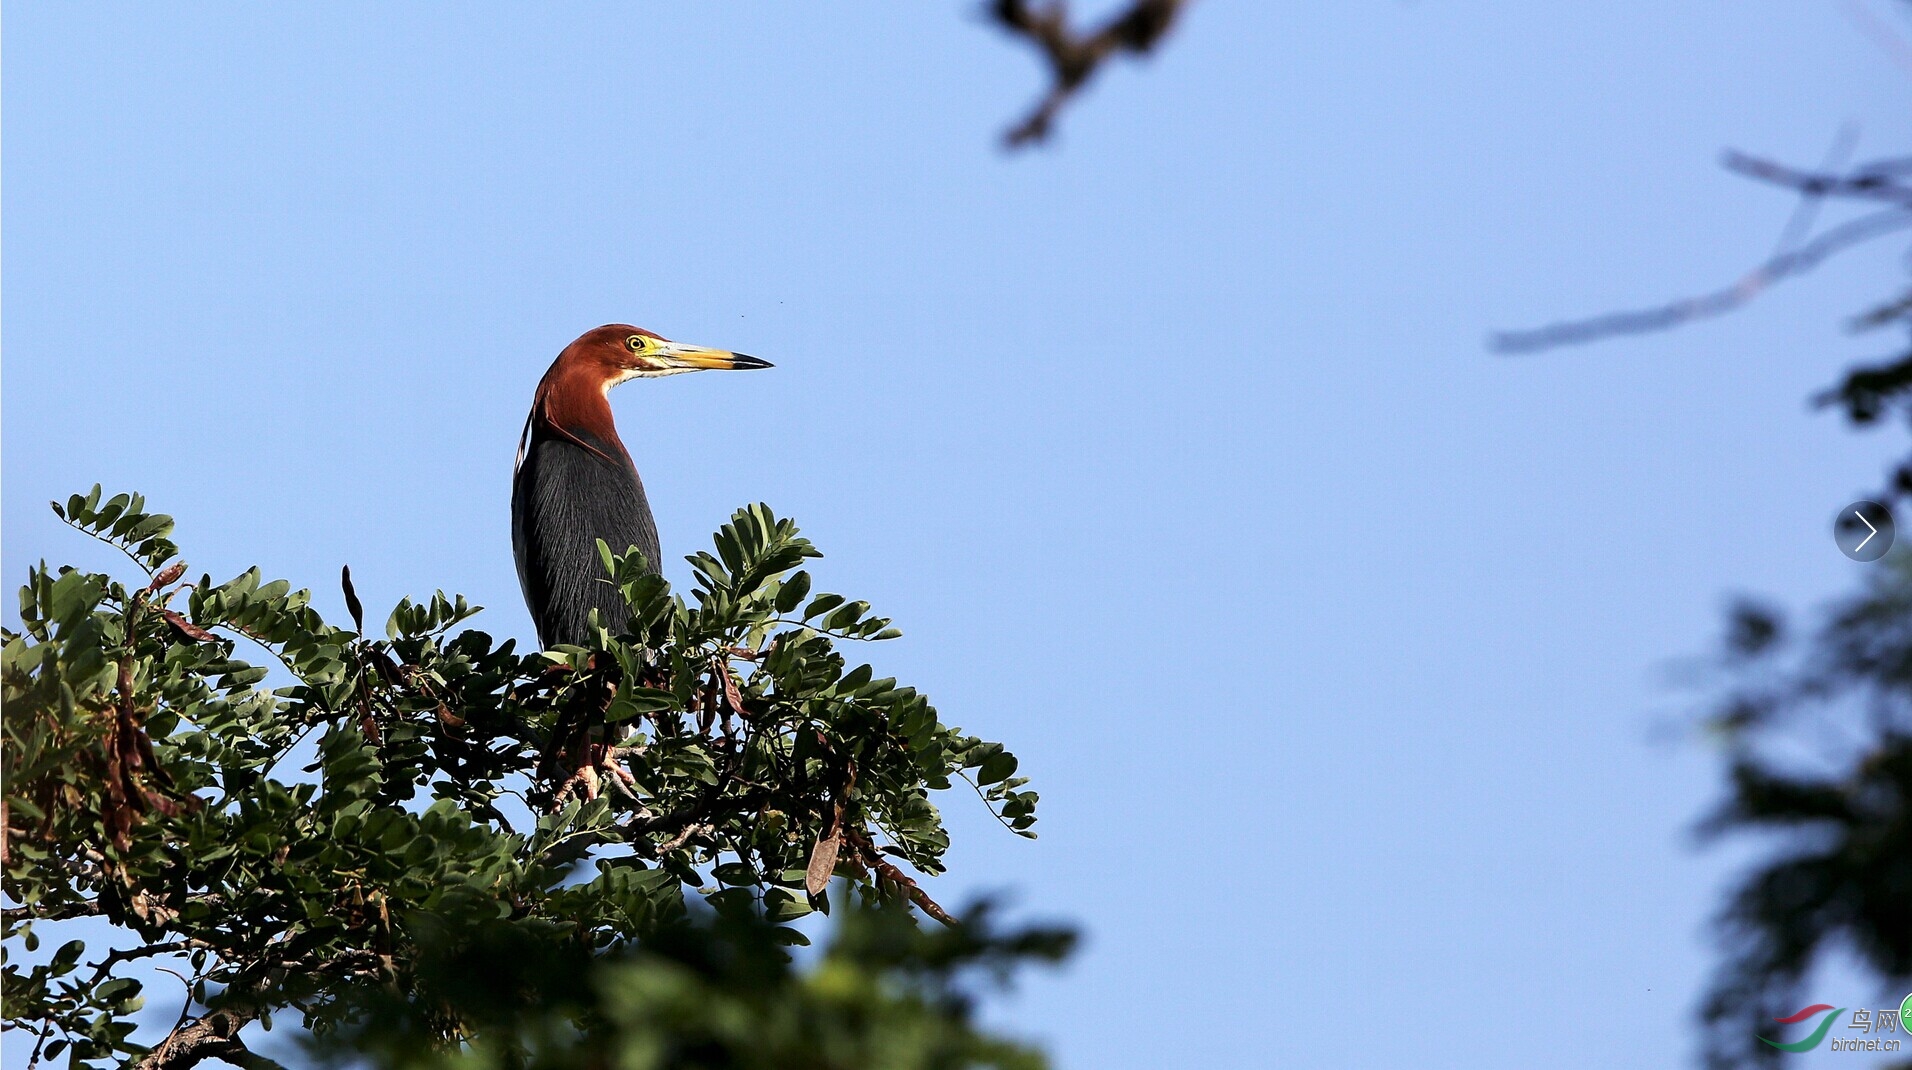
point(1839, 875)
point(1819, 738)
point(429, 845)
point(1870, 393)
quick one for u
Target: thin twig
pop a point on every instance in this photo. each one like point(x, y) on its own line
point(185, 1008)
point(107, 539)
point(987, 805)
point(1672, 314)
point(119, 955)
point(86, 908)
point(1863, 183)
point(1878, 181)
point(1806, 212)
point(45, 1032)
point(1882, 34)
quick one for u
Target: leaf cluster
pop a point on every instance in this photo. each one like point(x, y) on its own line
point(287, 832)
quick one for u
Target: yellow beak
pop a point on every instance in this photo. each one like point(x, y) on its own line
point(677, 355)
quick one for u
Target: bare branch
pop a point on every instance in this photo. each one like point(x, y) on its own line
point(1873, 181)
point(1888, 181)
point(119, 955)
point(1075, 57)
point(86, 908)
point(45, 1032)
point(1882, 33)
point(1672, 314)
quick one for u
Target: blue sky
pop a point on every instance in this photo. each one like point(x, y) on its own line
point(1338, 647)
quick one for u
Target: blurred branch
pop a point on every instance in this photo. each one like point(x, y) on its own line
point(1888, 181)
point(1881, 33)
point(1880, 180)
point(1075, 57)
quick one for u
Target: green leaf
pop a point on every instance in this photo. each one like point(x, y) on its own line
point(793, 591)
point(846, 616)
point(855, 679)
point(781, 904)
point(66, 957)
point(822, 604)
point(737, 873)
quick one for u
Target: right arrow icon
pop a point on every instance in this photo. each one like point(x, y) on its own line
point(1864, 531)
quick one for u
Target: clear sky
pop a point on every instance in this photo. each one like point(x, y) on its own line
point(1339, 648)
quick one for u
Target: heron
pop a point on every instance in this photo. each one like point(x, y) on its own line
point(575, 482)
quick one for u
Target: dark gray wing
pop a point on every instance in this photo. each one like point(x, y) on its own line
point(564, 498)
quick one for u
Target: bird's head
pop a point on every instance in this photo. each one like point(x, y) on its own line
point(618, 351)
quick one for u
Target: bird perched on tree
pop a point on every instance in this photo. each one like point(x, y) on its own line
point(575, 483)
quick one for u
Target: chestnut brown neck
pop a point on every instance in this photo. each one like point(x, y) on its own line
point(572, 403)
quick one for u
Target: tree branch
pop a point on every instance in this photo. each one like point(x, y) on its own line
point(1888, 181)
point(118, 955)
point(638, 831)
point(213, 1036)
point(85, 908)
point(1704, 306)
point(1075, 57)
point(1876, 181)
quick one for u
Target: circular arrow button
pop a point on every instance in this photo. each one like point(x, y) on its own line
point(1864, 531)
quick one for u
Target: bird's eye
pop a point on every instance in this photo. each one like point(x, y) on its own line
point(636, 342)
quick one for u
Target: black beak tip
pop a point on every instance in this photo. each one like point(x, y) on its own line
point(745, 360)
